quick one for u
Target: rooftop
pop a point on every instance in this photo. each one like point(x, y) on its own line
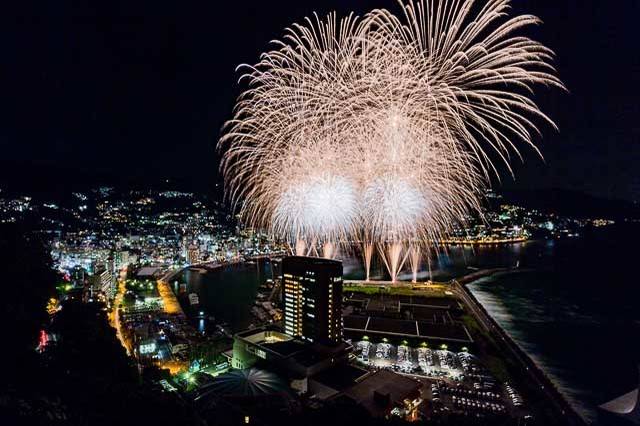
point(380, 391)
point(383, 305)
point(312, 260)
point(285, 348)
point(250, 382)
point(147, 271)
point(340, 376)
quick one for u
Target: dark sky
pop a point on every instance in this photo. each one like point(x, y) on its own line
point(136, 90)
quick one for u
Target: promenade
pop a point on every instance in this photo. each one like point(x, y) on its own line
point(169, 299)
point(511, 349)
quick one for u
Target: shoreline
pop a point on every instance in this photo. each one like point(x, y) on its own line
point(169, 299)
point(508, 346)
point(503, 342)
point(504, 241)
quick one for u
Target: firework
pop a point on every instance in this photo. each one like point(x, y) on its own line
point(382, 130)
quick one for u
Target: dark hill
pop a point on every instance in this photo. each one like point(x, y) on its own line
point(572, 203)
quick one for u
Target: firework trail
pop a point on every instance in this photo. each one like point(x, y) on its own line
point(383, 130)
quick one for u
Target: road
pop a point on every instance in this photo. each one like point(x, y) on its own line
point(114, 318)
point(169, 299)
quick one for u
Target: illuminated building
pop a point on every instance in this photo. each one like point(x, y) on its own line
point(110, 265)
point(292, 358)
point(312, 338)
point(122, 259)
point(104, 281)
point(312, 296)
point(193, 255)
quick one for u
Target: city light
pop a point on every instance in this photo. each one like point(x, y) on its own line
point(367, 157)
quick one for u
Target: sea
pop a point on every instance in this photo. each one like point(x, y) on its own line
point(573, 304)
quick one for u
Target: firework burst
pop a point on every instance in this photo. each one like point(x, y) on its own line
point(382, 130)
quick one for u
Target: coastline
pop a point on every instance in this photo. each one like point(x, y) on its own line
point(455, 242)
point(510, 348)
point(169, 298)
point(526, 367)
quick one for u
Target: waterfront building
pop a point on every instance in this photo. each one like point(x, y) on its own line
point(312, 297)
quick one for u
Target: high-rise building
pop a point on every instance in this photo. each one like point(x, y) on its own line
point(77, 275)
point(312, 297)
point(110, 265)
point(103, 280)
point(122, 259)
point(193, 255)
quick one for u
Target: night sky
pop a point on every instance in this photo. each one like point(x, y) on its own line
point(138, 90)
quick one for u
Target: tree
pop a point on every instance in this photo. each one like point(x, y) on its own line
point(30, 284)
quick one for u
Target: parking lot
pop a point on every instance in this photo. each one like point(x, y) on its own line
point(404, 359)
point(452, 382)
point(479, 400)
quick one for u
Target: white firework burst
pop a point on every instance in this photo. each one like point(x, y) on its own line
point(383, 129)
